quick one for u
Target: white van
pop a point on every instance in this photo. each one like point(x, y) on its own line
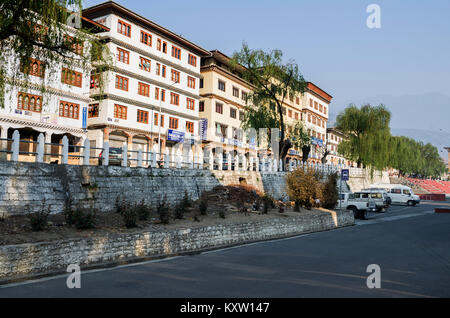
point(399, 194)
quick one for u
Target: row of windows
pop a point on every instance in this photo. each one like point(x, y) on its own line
point(37, 68)
point(69, 110)
point(33, 103)
point(319, 107)
point(71, 77)
point(219, 110)
point(335, 138)
point(34, 68)
point(316, 121)
point(146, 38)
point(316, 134)
point(161, 70)
point(221, 85)
point(122, 83)
point(120, 112)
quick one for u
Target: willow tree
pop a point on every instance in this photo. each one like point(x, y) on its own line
point(368, 135)
point(50, 31)
point(273, 81)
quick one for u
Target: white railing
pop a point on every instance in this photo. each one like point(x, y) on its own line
point(139, 158)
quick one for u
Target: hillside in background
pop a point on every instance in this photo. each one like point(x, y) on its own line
point(423, 117)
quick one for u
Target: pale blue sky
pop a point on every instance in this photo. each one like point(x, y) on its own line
point(329, 40)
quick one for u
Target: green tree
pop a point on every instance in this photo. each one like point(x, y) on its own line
point(40, 30)
point(367, 130)
point(273, 81)
point(300, 139)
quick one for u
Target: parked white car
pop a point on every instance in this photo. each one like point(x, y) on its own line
point(357, 202)
point(381, 198)
point(399, 194)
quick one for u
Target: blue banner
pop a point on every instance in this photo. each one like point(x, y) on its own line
point(173, 135)
point(84, 125)
point(203, 129)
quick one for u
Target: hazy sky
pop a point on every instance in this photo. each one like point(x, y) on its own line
point(329, 39)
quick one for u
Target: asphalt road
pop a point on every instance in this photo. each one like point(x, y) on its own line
point(410, 244)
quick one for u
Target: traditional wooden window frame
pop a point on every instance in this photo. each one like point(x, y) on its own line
point(143, 89)
point(125, 81)
point(236, 92)
point(191, 82)
point(219, 106)
point(123, 111)
point(173, 123)
point(76, 78)
point(37, 106)
point(123, 53)
point(192, 60)
point(174, 99)
point(176, 52)
point(39, 72)
point(124, 28)
point(175, 76)
point(142, 116)
point(141, 64)
point(93, 110)
point(224, 85)
point(233, 112)
point(189, 127)
point(149, 38)
point(66, 112)
point(190, 103)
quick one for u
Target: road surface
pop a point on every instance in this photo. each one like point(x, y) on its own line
point(410, 244)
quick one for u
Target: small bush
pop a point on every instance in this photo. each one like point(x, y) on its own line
point(130, 216)
point(303, 187)
point(38, 221)
point(179, 211)
point(267, 203)
point(144, 211)
point(186, 202)
point(84, 219)
point(330, 192)
point(203, 207)
point(163, 211)
point(120, 205)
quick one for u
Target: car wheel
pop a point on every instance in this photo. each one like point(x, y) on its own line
point(409, 203)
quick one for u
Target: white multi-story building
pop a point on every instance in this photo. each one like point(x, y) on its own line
point(334, 138)
point(152, 91)
point(50, 100)
point(315, 113)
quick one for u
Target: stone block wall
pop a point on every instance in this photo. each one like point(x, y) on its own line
point(28, 259)
point(27, 187)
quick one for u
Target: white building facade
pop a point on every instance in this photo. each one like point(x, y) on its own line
point(315, 112)
point(150, 99)
point(50, 100)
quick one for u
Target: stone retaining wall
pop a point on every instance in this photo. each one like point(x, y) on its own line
point(38, 258)
point(24, 186)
